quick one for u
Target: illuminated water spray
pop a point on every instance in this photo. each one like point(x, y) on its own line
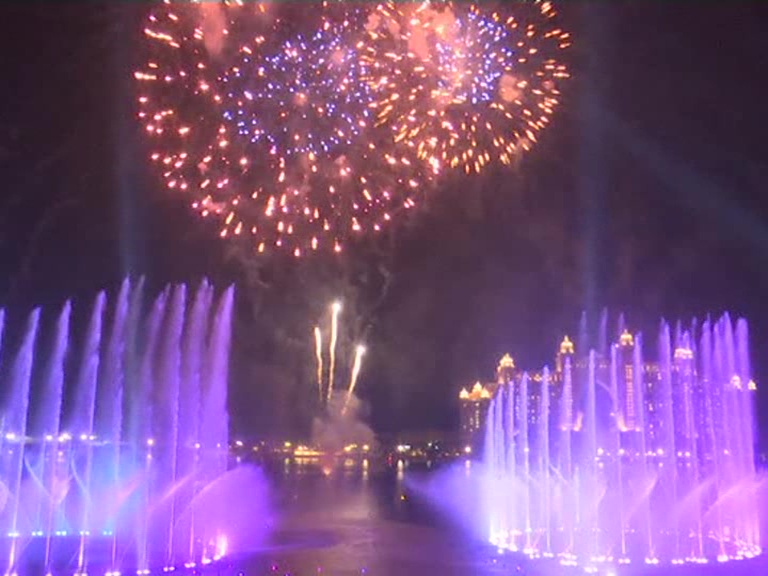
point(614, 459)
point(118, 480)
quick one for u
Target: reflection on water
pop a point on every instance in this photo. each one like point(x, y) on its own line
point(361, 520)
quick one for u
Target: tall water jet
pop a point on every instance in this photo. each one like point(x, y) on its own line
point(143, 416)
point(187, 459)
point(16, 421)
point(167, 418)
point(85, 412)
point(49, 427)
point(101, 463)
point(110, 413)
point(620, 459)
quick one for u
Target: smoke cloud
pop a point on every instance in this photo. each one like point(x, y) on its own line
point(214, 26)
point(339, 427)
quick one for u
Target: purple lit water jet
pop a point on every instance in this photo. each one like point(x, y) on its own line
point(103, 461)
point(613, 459)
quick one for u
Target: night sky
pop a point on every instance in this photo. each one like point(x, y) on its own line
point(646, 194)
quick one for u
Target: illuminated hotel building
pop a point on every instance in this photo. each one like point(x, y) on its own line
point(627, 388)
point(474, 409)
point(505, 371)
point(637, 400)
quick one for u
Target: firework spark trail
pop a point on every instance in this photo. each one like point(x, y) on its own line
point(467, 86)
point(335, 310)
point(301, 133)
point(267, 131)
point(359, 353)
point(319, 357)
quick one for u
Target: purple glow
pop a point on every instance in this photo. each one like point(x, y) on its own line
point(122, 472)
point(612, 459)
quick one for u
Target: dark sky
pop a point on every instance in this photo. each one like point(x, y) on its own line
point(645, 195)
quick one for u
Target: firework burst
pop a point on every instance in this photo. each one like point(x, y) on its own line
point(315, 168)
point(464, 85)
point(271, 135)
point(188, 46)
point(300, 133)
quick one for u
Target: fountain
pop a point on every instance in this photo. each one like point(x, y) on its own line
point(109, 443)
point(612, 459)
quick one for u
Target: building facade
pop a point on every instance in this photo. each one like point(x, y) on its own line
point(473, 411)
point(636, 398)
